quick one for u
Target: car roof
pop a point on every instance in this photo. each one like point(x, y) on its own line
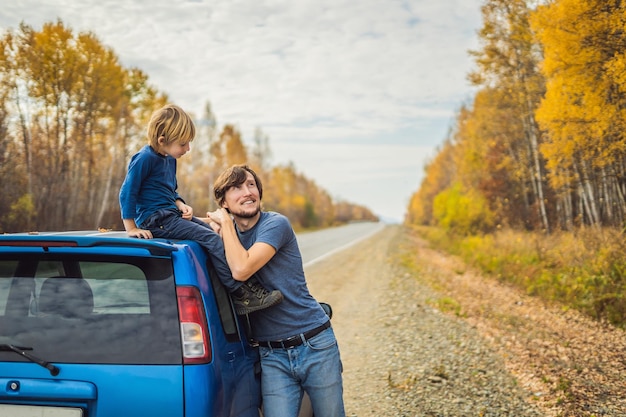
point(86, 238)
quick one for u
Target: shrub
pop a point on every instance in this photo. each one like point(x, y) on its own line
point(585, 270)
point(462, 212)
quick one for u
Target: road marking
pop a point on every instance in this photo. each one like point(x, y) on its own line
point(346, 246)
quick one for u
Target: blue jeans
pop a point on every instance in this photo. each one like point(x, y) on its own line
point(168, 224)
point(314, 367)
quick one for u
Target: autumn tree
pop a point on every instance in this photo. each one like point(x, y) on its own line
point(198, 169)
point(14, 142)
point(306, 204)
point(584, 110)
point(73, 107)
point(71, 116)
point(508, 64)
point(439, 173)
point(261, 154)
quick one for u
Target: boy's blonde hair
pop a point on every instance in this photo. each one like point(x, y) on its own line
point(173, 124)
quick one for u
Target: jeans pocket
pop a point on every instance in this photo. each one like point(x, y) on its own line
point(162, 223)
point(324, 340)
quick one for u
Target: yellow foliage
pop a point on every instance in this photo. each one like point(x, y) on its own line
point(581, 61)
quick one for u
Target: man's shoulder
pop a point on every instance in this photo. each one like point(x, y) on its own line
point(274, 217)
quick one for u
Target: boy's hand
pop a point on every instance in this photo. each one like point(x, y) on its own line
point(185, 210)
point(140, 233)
point(133, 231)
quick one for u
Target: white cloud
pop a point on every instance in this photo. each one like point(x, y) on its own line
point(326, 71)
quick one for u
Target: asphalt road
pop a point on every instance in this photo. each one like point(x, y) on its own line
point(320, 244)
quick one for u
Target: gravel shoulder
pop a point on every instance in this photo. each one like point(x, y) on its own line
point(421, 334)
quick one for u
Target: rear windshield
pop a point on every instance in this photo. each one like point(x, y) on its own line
point(89, 309)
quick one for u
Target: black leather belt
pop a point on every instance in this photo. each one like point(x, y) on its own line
point(296, 340)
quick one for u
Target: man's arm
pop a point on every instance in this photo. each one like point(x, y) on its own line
point(242, 263)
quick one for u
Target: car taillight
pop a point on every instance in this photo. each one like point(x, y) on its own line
point(193, 326)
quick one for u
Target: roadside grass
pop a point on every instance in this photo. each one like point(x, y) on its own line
point(584, 270)
point(447, 305)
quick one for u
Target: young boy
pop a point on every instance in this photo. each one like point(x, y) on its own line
point(151, 206)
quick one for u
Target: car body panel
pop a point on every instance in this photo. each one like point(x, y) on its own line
point(107, 391)
point(227, 385)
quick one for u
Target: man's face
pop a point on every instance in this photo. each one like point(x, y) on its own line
point(243, 200)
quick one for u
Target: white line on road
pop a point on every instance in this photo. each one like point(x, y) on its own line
point(346, 246)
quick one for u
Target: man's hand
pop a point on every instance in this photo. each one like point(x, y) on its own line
point(218, 216)
point(216, 227)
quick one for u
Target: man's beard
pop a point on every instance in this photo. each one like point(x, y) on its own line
point(244, 214)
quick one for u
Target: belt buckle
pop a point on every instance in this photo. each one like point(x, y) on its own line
point(289, 342)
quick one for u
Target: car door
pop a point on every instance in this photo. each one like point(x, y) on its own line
point(236, 362)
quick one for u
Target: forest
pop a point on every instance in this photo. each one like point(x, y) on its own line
point(71, 115)
point(530, 184)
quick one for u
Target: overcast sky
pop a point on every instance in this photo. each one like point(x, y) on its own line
point(357, 94)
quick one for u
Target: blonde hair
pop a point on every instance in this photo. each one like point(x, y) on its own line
point(173, 124)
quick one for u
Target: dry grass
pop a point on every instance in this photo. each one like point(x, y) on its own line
point(585, 270)
point(571, 364)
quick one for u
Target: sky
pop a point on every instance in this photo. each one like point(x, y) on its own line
point(357, 95)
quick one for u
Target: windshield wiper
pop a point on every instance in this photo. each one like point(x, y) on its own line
point(20, 350)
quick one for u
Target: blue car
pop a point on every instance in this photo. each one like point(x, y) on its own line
point(101, 325)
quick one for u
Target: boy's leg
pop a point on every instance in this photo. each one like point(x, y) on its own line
point(248, 296)
point(171, 226)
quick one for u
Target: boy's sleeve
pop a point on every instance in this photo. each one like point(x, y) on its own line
point(176, 195)
point(137, 171)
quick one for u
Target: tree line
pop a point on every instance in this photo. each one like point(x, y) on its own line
point(542, 145)
point(71, 115)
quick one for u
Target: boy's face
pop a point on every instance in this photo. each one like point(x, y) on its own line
point(174, 149)
point(243, 200)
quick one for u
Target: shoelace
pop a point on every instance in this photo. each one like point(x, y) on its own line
point(260, 292)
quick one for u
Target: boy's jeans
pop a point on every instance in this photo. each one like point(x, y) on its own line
point(314, 367)
point(169, 224)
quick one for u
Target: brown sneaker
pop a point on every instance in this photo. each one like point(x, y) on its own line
point(251, 297)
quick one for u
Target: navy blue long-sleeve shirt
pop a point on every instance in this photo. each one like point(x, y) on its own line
point(150, 185)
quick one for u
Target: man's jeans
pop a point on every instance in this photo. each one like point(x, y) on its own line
point(169, 224)
point(314, 367)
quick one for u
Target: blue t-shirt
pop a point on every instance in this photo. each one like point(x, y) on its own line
point(150, 185)
point(299, 312)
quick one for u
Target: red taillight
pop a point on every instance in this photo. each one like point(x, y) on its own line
point(193, 326)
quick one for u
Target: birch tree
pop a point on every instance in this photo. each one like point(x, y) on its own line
point(509, 62)
point(584, 111)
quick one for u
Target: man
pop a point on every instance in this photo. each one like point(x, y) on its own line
point(298, 348)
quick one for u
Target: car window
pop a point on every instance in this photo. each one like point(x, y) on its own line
point(225, 309)
point(90, 309)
